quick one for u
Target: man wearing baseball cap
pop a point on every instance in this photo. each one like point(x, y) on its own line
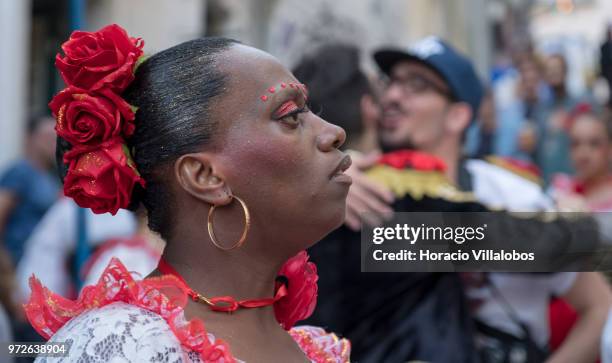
point(432, 95)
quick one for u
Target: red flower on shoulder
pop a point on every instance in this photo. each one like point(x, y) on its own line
point(301, 299)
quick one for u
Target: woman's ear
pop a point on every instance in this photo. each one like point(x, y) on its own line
point(196, 175)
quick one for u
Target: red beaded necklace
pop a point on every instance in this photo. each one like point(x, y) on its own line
point(226, 304)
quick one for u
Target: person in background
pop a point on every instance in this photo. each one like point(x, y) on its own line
point(521, 110)
point(605, 61)
point(28, 187)
point(555, 74)
point(553, 147)
point(431, 98)
point(589, 190)
point(50, 249)
point(591, 156)
point(480, 135)
point(139, 253)
point(342, 93)
point(50, 253)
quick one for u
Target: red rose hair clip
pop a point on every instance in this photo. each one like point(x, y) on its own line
point(95, 120)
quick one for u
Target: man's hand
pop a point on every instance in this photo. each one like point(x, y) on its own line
point(366, 198)
point(591, 296)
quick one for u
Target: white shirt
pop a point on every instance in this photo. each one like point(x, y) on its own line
point(500, 188)
point(54, 239)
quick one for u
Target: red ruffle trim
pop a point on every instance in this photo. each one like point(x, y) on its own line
point(320, 346)
point(165, 296)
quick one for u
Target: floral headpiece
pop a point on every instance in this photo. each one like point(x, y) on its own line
point(95, 120)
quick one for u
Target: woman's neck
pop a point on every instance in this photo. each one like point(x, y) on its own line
point(212, 272)
point(594, 183)
point(449, 152)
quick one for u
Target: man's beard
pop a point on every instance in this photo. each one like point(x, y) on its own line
point(404, 145)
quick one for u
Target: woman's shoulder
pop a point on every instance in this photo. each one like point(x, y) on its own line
point(120, 331)
point(112, 315)
point(320, 345)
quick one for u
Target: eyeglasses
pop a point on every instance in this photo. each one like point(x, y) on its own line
point(417, 84)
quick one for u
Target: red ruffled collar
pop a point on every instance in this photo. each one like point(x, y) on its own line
point(167, 296)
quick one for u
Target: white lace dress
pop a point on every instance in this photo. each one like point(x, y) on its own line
point(120, 332)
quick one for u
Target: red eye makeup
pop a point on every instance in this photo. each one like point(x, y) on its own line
point(286, 109)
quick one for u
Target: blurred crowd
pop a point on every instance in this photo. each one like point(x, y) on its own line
point(528, 122)
point(521, 142)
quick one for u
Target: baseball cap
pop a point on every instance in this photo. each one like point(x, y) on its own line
point(455, 68)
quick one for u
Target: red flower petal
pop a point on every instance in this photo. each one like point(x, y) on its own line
point(301, 299)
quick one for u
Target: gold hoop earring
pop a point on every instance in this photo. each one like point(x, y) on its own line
point(247, 225)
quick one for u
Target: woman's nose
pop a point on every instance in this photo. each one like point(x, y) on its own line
point(331, 137)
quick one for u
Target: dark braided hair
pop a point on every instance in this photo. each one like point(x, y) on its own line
point(173, 91)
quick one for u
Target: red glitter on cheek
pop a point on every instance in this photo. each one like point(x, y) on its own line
point(271, 89)
point(264, 98)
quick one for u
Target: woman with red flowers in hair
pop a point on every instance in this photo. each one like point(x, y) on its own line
point(591, 153)
point(215, 141)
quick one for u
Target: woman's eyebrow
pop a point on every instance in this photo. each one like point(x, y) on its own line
point(295, 85)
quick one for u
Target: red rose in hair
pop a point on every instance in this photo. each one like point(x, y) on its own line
point(302, 289)
point(101, 178)
point(93, 60)
point(87, 118)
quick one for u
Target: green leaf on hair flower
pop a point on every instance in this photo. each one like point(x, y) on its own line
point(130, 161)
point(139, 61)
point(133, 108)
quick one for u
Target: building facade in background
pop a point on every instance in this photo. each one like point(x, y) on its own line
point(31, 31)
